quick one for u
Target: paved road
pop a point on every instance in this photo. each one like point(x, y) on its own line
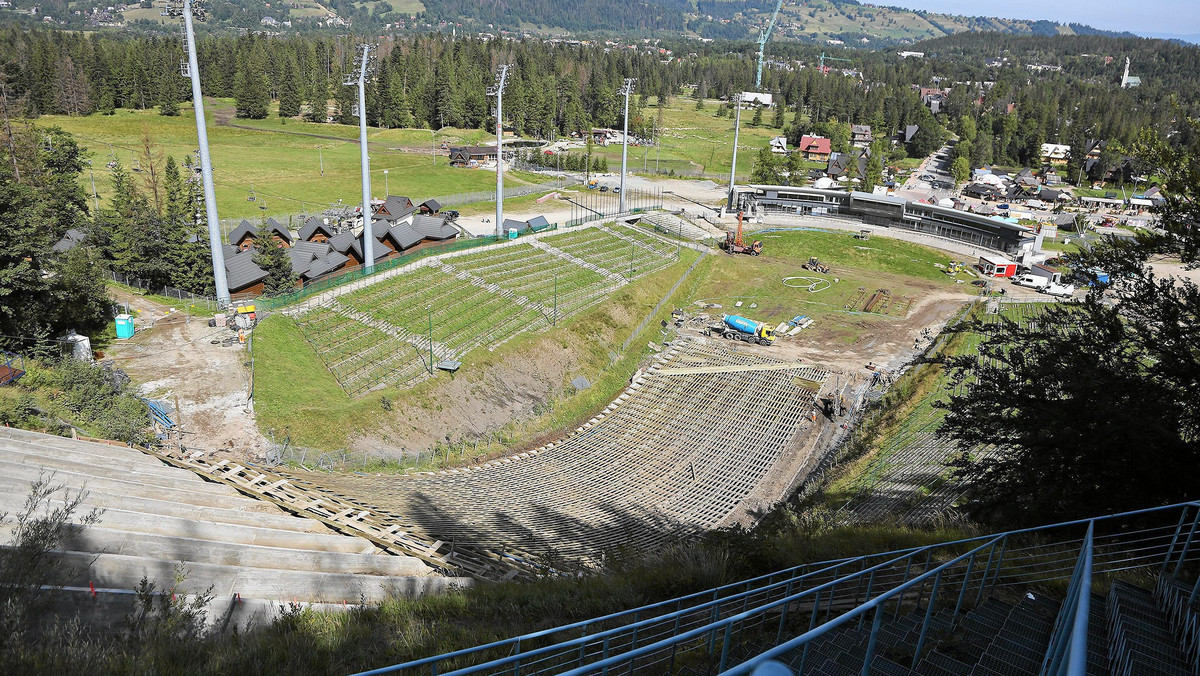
point(937, 165)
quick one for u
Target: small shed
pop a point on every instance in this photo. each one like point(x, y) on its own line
point(997, 266)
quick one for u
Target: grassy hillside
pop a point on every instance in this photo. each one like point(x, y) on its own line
point(824, 19)
point(280, 163)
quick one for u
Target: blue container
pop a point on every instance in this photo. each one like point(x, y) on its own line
point(125, 326)
point(513, 233)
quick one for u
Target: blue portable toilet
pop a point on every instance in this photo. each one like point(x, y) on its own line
point(124, 326)
point(513, 233)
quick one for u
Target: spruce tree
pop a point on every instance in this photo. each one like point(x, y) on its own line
point(272, 257)
point(757, 120)
point(250, 90)
point(290, 90)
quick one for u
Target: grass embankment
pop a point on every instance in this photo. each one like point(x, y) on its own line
point(313, 411)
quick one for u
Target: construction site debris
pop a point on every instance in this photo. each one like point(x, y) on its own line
point(813, 284)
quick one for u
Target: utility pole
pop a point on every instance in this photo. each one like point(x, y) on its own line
point(364, 62)
point(497, 90)
point(737, 101)
point(191, 69)
point(626, 89)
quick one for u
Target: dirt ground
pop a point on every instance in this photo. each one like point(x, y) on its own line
point(172, 357)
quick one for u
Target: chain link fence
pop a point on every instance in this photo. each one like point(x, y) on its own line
point(510, 192)
point(186, 298)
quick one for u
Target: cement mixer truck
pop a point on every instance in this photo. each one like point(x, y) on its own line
point(734, 327)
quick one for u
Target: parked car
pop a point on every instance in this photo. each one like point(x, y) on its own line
point(603, 188)
point(927, 177)
point(617, 189)
point(451, 215)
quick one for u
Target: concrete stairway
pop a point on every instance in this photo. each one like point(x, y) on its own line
point(156, 516)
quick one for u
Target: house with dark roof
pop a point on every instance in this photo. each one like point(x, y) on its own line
point(244, 235)
point(395, 208)
point(847, 165)
point(814, 148)
point(905, 137)
point(536, 224)
point(315, 230)
point(860, 135)
point(72, 239)
point(244, 277)
point(472, 155)
point(429, 206)
point(434, 227)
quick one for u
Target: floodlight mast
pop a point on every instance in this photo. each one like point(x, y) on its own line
point(497, 90)
point(626, 89)
point(737, 101)
point(210, 195)
point(367, 234)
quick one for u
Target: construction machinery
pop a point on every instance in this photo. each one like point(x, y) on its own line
point(734, 244)
point(735, 327)
point(815, 265)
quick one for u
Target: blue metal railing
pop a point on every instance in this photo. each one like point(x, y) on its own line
point(1067, 652)
point(835, 592)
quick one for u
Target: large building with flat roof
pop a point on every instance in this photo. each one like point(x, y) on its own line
point(887, 211)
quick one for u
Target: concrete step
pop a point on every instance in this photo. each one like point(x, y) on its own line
point(31, 454)
point(126, 572)
point(73, 472)
point(189, 549)
point(243, 534)
point(9, 435)
point(253, 513)
point(227, 497)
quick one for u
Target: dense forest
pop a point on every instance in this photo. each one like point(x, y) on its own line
point(555, 88)
point(427, 81)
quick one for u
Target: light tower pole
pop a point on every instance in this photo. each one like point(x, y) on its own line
point(626, 89)
point(497, 90)
point(192, 69)
point(361, 81)
point(737, 121)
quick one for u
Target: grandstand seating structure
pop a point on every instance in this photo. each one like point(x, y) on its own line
point(973, 606)
point(456, 303)
point(675, 453)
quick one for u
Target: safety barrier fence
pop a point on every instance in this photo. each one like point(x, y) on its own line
point(810, 601)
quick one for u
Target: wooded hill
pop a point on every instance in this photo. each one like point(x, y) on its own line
point(814, 21)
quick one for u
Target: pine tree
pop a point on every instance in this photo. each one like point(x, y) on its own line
point(757, 120)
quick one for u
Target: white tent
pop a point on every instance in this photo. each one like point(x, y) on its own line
point(824, 183)
point(946, 202)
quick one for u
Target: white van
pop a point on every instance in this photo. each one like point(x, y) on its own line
point(1032, 281)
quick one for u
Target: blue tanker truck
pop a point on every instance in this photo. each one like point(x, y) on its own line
point(735, 327)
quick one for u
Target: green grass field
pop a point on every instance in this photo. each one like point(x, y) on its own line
point(283, 169)
point(694, 141)
point(902, 268)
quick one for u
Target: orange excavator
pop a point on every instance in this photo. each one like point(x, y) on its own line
point(733, 243)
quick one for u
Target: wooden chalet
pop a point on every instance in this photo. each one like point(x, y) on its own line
point(244, 235)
